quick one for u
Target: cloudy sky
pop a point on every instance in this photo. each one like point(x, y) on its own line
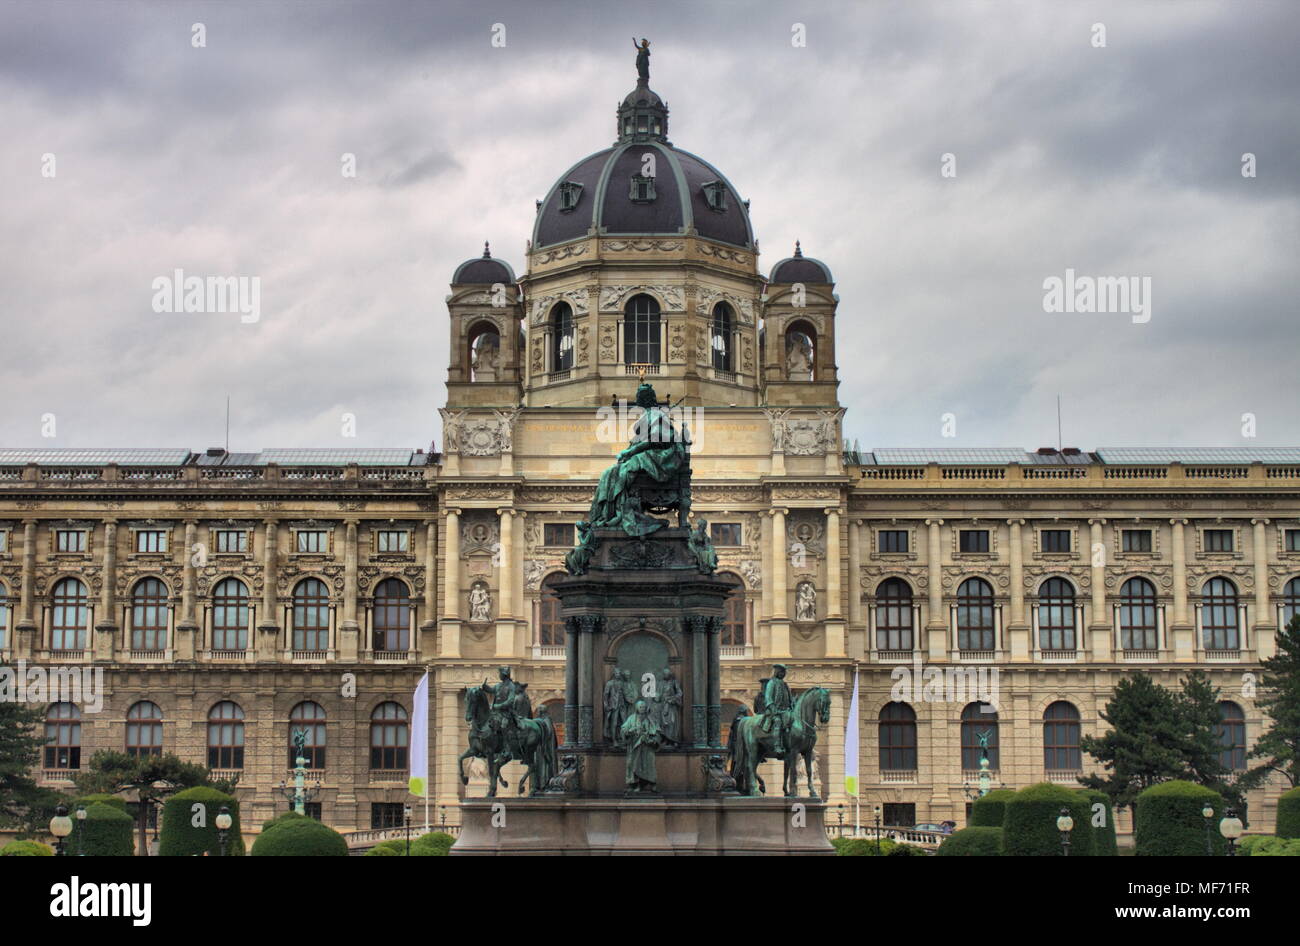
point(1117, 161)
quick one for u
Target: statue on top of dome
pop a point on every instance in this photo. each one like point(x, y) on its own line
point(642, 58)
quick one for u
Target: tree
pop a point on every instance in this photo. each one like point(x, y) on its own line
point(153, 778)
point(23, 803)
point(1279, 698)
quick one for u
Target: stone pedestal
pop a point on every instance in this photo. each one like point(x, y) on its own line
point(611, 825)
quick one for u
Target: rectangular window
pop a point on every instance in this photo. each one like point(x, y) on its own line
point(393, 540)
point(725, 533)
point(557, 534)
point(313, 541)
point(310, 808)
point(151, 540)
point(1292, 540)
point(70, 540)
point(893, 540)
point(973, 540)
point(1218, 540)
point(1137, 540)
point(231, 540)
point(4, 541)
point(1055, 540)
point(899, 815)
point(386, 814)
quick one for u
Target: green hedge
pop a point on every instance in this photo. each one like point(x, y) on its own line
point(179, 838)
point(109, 831)
point(989, 811)
point(1168, 821)
point(282, 819)
point(978, 841)
point(300, 837)
point(1104, 842)
point(26, 849)
point(1261, 845)
point(1288, 814)
point(1029, 828)
point(862, 847)
point(433, 844)
point(116, 801)
point(380, 851)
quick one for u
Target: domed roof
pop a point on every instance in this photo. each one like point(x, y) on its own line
point(608, 192)
point(800, 268)
point(483, 270)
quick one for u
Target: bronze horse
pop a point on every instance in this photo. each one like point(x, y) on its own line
point(489, 741)
point(750, 745)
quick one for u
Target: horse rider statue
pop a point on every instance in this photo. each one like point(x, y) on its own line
point(777, 703)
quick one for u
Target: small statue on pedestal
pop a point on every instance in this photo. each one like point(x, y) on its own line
point(668, 706)
point(643, 739)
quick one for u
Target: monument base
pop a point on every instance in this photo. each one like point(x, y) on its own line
point(560, 825)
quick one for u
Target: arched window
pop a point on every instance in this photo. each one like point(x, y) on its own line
point(1290, 601)
point(978, 720)
point(1061, 751)
point(1219, 615)
point(149, 615)
point(311, 717)
point(897, 738)
point(311, 615)
point(226, 736)
point(71, 613)
point(230, 615)
point(562, 337)
point(62, 736)
point(1056, 615)
point(391, 620)
point(975, 627)
point(800, 352)
point(641, 331)
point(1232, 736)
point(144, 729)
point(389, 737)
point(894, 615)
point(720, 338)
point(1139, 626)
point(550, 626)
point(733, 618)
point(484, 352)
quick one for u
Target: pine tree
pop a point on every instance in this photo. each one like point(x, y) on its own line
point(23, 803)
point(152, 777)
point(1145, 743)
point(1279, 698)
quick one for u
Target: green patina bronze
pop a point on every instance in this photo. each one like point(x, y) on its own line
point(642, 737)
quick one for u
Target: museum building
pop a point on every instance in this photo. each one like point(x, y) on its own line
point(232, 598)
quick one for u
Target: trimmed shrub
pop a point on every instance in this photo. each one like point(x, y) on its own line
point(116, 801)
point(300, 837)
point(1168, 821)
point(179, 837)
point(989, 811)
point(862, 847)
point(26, 849)
point(433, 844)
point(1029, 826)
point(980, 841)
point(906, 850)
point(109, 832)
point(282, 819)
point(379, 851)
point(1288, 814)
point(1104, 843)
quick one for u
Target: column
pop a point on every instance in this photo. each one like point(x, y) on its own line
point(505, 646)
point(428, 627)
point(855, 572)
point(714, 735)
point(187, 627)
point(268, 628)
point(834, 624)
point(1018, 635)
point(106, 627)
point(586, 626)
point(26, 630)
point(1100, 632)
point(1182, 635)
point(450, 636)
point(780, 625)
point(349, 631)
point(699, 630)
point(937, 625)
point(1265, 629)
point(571, 681)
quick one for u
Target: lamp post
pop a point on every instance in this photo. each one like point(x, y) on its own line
point(877, 813)
point(224, 821)
point(1231, 828)
point(841, 814)
point(1208, 814)
point(299, 795)
point(1065, 824)
point(60, 827)
point(442, 816)
point(406, 816)
point(81, 830)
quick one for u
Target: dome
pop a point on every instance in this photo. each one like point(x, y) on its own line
point(800, 268)
point(606, 191)
point(483, 270)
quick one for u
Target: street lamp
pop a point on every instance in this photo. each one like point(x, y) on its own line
point(1208, 814)
point(841, 814)
point(877, 813)
point(1231, 828)
point(442, 816)
point(1065, 824)
point(224, 821)
point(81, 830)
point(60, 827)
point(406, 816)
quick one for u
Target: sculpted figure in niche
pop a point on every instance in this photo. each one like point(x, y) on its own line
point(480, 604)
point(798, 357)
point(805, 604)
point(485, 356)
